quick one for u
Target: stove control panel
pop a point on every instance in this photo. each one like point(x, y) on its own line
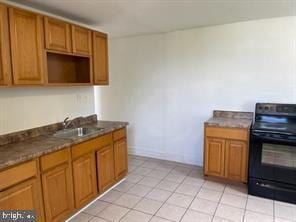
point(265, 108)
point(276, 109)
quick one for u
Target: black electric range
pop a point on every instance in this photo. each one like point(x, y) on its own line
point(272, 156)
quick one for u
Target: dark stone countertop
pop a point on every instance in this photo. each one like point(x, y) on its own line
point(26, 149)
point(231, 119)
point(14, 153)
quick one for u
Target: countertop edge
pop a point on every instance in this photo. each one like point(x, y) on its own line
point(68, 143)
point(227, 126)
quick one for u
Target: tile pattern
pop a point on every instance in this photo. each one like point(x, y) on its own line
point(164, 191)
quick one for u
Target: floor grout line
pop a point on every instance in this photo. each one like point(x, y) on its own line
point(153, 188)
point(172, 192)
point(188, 208)
point(218, 203)
point(185, 171)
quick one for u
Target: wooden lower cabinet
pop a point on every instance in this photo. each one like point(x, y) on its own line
point(84, 178)
point(236, 160)
point(105, 168)
point(226, 153)
point(57, 193)
point(58, 183)
point(214, 156)
point(120, 158)
point(24, 196)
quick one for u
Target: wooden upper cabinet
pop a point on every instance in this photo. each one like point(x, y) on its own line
point(5, 63)
point(37, 50)
point(26, 36)
point(81, 40)
point(57, 35)
point(214, 157)
point(236, 160)
point(100, 58)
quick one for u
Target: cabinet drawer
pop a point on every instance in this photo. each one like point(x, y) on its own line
point(121, 133)
point(17, 174)
point(227, 133)
point(91, 145)
point(54, 159)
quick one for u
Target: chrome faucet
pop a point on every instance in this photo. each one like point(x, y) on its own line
point(67, 123)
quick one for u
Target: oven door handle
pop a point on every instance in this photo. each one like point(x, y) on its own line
point(270, 138)
point(279, 188)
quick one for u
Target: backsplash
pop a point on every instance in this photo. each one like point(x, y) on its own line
point(233, 114)
point(44, 130)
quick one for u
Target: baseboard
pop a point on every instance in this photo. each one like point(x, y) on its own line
point(181, 158)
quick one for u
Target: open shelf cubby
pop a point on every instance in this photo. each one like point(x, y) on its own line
point(68, 69)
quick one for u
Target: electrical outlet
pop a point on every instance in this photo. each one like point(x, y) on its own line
point(78, 98)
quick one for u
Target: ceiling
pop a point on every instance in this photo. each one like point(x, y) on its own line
point(136, 17)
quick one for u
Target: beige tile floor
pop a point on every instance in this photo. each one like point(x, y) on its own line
point(163, 191)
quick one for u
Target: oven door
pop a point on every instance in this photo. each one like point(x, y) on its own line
point(273, 157)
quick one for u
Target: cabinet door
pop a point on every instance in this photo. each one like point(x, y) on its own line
point(57, 35)
point(26, 36)
point(57, 193)
point(22, 197)
point(84, 174)
point(120, 158)
point(105, 165)
point(81, 38)
point(236, 160)
point(100, 58)
point(5, 63)
point(214, 156)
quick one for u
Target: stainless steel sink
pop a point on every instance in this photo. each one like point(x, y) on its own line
point(77, 132)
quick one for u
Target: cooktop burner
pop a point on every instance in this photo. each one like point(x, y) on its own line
point(275, 118)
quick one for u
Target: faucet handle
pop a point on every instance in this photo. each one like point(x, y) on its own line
point(65, 122)
point(66, 119)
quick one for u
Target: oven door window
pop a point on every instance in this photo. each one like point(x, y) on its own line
point(278, 155)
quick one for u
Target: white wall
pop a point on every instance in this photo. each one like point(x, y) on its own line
point(167, 85)
point(23, 108)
